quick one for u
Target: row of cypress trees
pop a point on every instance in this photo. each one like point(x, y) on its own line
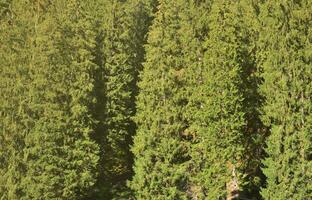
point(203, 110)
point(68, 83)
point(146, 99)
point(232, 78)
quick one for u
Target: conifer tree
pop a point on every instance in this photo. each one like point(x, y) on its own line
point(119, 53)
point(15, 120)
point(160, 147)
point(58, 154)
point(220, 153)
point(194, 30)
point(119, 71)
point(113, 109)
point(255, 131)
point(285, 58)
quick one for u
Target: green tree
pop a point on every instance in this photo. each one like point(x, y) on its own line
point(225, 122)
point(48, 92)
point(285, 57)
point(255, 131)
point(15, 120)
point(160, 146)
point(193, 32)
point(119, 53)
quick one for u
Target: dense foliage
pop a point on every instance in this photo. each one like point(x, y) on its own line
point(155, 99)
point(286, 60)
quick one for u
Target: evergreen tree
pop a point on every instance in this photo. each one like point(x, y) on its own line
point(194, 31)
point(222, 105)
point(15, 120)
point(255, 131)
point(61, 158)
point(160, 147)
point(119, 70)
point(119, 53)
point(75, 93)
point(285, 58)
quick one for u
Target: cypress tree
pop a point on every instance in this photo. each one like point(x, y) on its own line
point(59, 155)
point(194, 31)
point(222, 103)
point(114, 97)
point(255, 131)
point(119, 53)
point(285, 58)
point(15, 120)
point(119, 70)
point(160, 146)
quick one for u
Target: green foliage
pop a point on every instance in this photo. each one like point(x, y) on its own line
point(76, 65)
point(155, 99)
point(161, 150)
point(285, 57)
point(119, 71)
point(55, 157)
point(224, 118)
point(122, 31)
point(60, 156)
point(15, 119)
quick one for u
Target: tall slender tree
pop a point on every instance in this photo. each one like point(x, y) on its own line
point(123, 26)
point(285, 58)
point(224, 122)
point(255, 131)
point(160, 146)
point(61, 157)
point(15, 120)
point(194, 31)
